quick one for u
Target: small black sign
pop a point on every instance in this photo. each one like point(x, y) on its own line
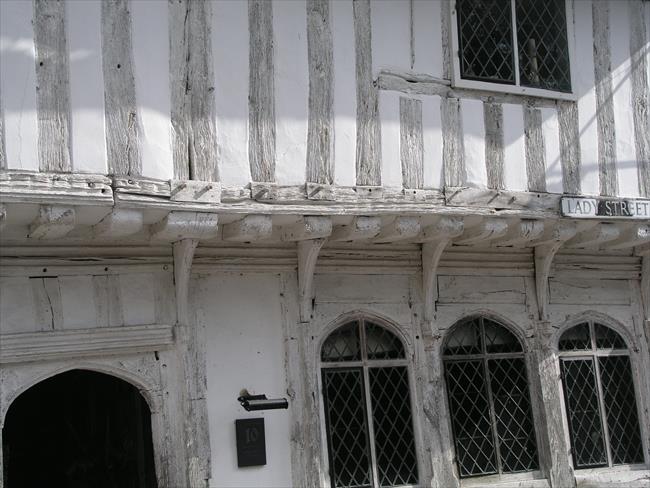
point(251, 445)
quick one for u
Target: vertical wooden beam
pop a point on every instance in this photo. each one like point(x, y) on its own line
point(53, 86)
point(445, 20)
point(261, 100)
point(122, 123)
point(608, 179)
point(411, 142)
point(368, 161)
point(320, 135)
point(3, 147)
point(567, 113)
point(307, 256)
point(494, 152)
point(452, 142)
point(639, 52)
point(192, 84)
point(535, 152)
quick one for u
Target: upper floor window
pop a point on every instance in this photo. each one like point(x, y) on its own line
point(599, 397)
point(367, 402)
point(489, 401)
point(521, 43)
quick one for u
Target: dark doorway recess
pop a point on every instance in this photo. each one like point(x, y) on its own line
point(79, 429)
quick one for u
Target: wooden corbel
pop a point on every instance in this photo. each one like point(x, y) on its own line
point(435, 238)
point(644, 252)
point(121, 222)
point(400, 229)
point(595, 236)
point(52, 222)
point(521, 233)
point(487, 230)
point(183, 256)
point(360, 228)
point(250, 228)
point(545, 250)
point(185, 225)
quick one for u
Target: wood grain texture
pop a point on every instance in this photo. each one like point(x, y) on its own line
point(535, 152)
point(52, 86)
point(639, 52)
point(445, 19)
point(122, 122)
point(452, 142)
point(261, 98)
point(320, 133)
point(607, 177)
point(368, 162)
point(3, 147)
point(411, 142)
point(192, 83)
point(494, 153)
point(567, 113)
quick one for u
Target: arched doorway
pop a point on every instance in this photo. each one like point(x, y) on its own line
point(79, 429)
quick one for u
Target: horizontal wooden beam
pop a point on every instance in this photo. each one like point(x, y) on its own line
point(309, 227)
point(360, 228)
point(400, 229)
point(52, 222)
point(250, 228)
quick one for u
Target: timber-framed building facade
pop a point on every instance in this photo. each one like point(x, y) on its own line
point(423, 223)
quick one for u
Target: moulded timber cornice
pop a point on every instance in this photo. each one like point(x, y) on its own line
point(43, 346)
point(55, 188)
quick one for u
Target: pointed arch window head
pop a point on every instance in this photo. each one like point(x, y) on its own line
point(367, 405)
point(599, 397)
point(489, 402)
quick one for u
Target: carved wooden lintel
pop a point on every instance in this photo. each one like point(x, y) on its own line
point(309, 227)
point(307, 256)
point(521, 233)
point(400, 229)
point(185, 225)
point(595, 236)
point(487, 230)
point(544, 253)
point(360, 228)
point(250, 228)
point(121, 222)
point(183, 256)
point(52, 222)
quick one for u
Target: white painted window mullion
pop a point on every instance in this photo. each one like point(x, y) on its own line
point(515, 43)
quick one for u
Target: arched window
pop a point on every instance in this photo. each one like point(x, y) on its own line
point(489, 400)
point(367, 403)
point(599, 397)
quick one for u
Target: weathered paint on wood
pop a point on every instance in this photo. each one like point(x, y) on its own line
point(608, 180)
point(320, 135)
point(122, 122)
point(569, 146)
point(368, 162)
point(493, 121)
point(53, 86)
point(261, 100)
point(411, 143)
point(452, 142)
point(3, 149)
point(640, 94)
point(535, 152)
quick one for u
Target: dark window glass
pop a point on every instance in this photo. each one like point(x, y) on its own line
point(575, 338)
point(465, 339)
point(342, 344)
point(607, 338)
point(382, 344)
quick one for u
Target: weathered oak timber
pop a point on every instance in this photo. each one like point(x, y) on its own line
point(249, 229)
point(320, 134)
point(52, 222)
point(121, 222)
point(595, 236)
point(368, 161)
point(634, 236)
point(177, 226)
point(122, 121)
point(53, 86)
point(411, 143)
point(261, 99)
point(494, 150)
point(307, 256)
point(308, 228)
point(360, 228)
point(3, 147)
point(400, 229)
point(521, 233)
point(535, 152)
point(453, 157)
point(484, 232)
point(608, 179)
point(567, 113)
point(192, 84)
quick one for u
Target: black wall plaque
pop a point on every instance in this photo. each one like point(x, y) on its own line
point(251, 445)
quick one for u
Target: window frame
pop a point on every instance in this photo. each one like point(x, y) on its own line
point(593, 354)
point(457, 81)
point(365, 364)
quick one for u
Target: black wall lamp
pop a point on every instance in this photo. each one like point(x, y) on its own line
point(260, 402)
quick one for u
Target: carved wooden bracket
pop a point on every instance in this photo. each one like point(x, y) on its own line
point(185, 225)
point(400, 229)
point(435, 239)
point(360, 228)
point(545, 250)
point(307, 256)
point(121, 222)
point(183, 256)
point(645, 280)
point(487, 230)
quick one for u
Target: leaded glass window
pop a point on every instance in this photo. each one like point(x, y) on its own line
point(367, 403)
point(515, 42)
point(489, 401)
point(599, 397)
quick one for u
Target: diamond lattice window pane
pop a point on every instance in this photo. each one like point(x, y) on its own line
point(486, 41)
point(620, 408)
point(581, 394)
point(347, 430)
point(470, 416)
point(382, 344)
point(393, 426)
point(607, 338)
point(342, 344)
point(512, 410)
point(576, 338)
point(465, 338)
point(499, 339)
point(543, 46)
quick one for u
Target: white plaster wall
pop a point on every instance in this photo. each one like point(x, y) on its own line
point(244, 348)
point(389, 119)
point(474, 143)
point(391, 35)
